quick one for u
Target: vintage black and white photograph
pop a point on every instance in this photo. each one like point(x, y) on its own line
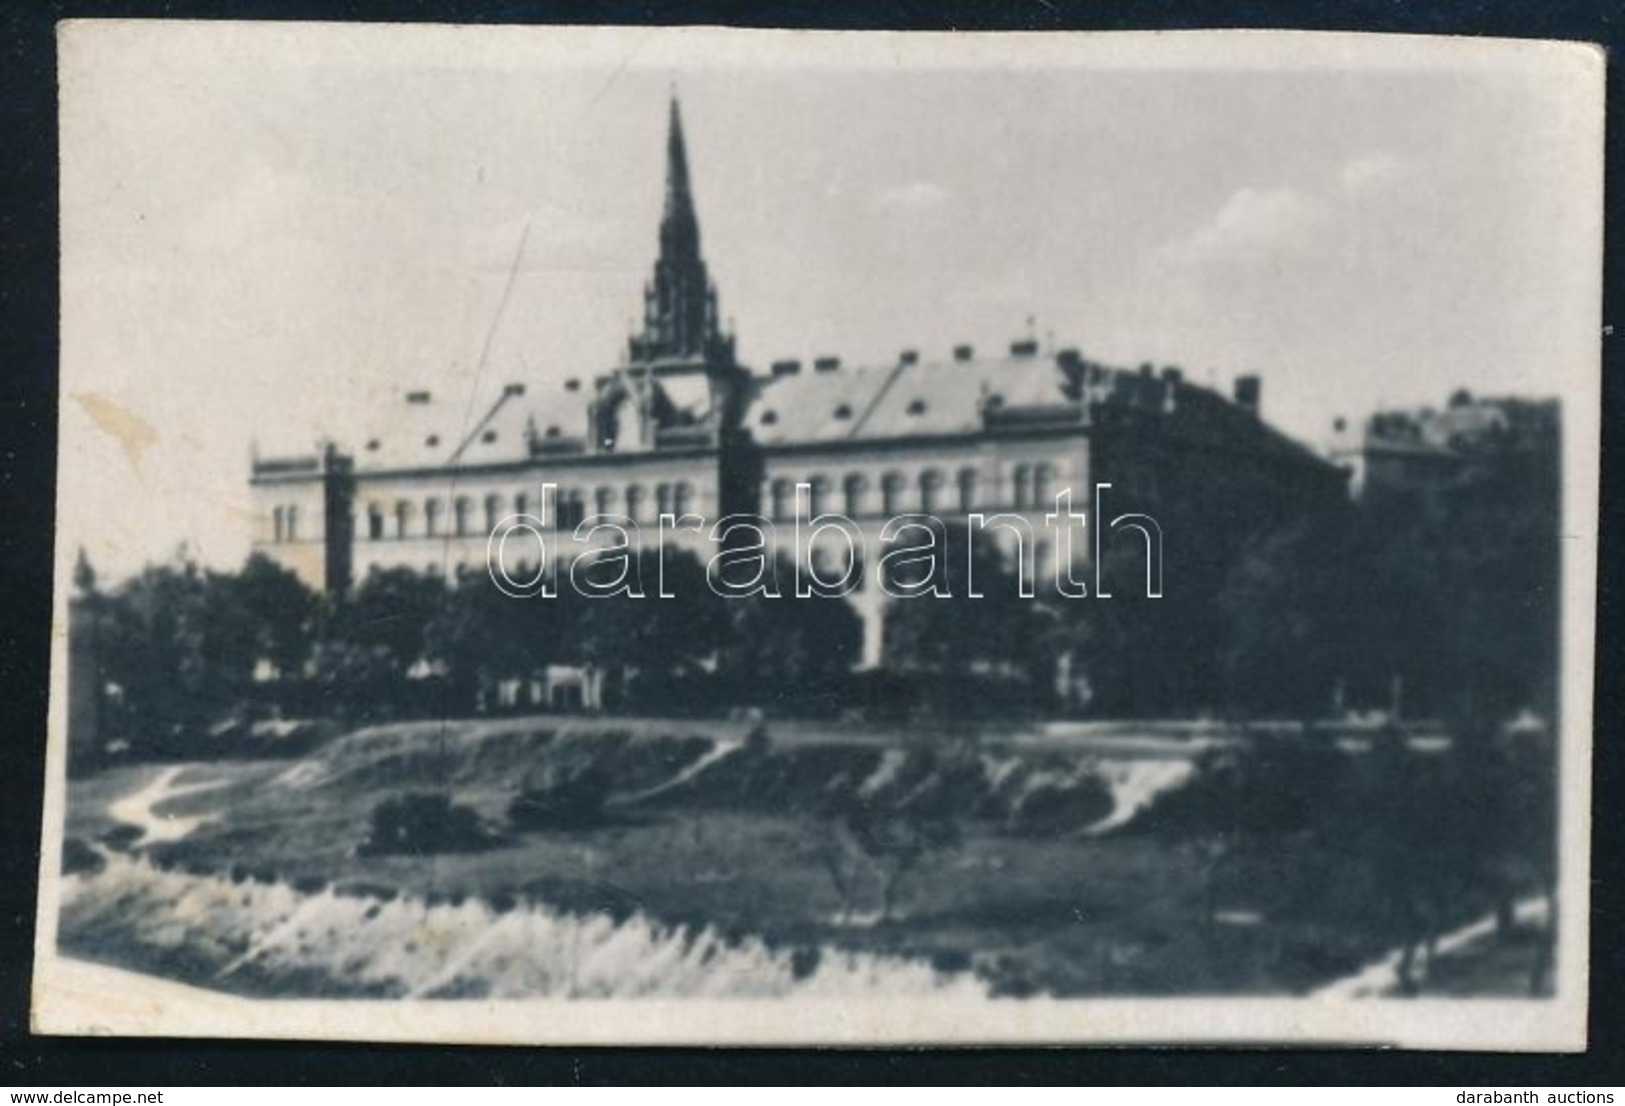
point(715, 536)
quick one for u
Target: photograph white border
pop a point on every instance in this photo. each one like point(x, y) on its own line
point(74, 998)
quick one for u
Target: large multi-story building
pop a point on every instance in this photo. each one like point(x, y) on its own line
point(680, 426)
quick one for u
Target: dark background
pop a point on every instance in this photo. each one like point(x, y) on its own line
point(28, 409)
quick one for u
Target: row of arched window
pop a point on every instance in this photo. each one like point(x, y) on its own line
point(856, 495)
point(400, 520)
point(1032, 487)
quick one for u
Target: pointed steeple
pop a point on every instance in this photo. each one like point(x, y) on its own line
point(679, 199)
point(679, 302)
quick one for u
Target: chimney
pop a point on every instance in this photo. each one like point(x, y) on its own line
point(417, 397)
point(909, 357)
point(786, 368)
point(1026, 347)
point(1069, 359)
point(1172, 374)
point(827, 364)
point(964, 353)
point(1248, 393)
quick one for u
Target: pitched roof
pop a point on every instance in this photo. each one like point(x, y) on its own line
point(903, 400)
point(432, 433)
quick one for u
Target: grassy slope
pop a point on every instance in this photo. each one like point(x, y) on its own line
point(1069, 914)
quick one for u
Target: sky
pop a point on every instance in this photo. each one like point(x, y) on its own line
point(268, 228)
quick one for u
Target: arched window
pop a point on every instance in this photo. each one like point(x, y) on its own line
point(930, 491)
point(375, 522)
point(277, 525)
point(967, 489)
point(431, 518)
point(819, 500)
point(783, 505)
point(634, 501)
point(604, 500)
point(1043, 485)
point(403, 519)
point(891, 493)
point(663, 499)
point(461, 509)
point(1023, 486)
point(521, 503)
point(685, 499)
point(292, 523)
point(493, 512)
point(856, 490)
point(572, 509)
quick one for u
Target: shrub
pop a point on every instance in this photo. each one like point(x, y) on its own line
point(1048, 811)
point(573, 802)
point(424, 823)
point(79, 858)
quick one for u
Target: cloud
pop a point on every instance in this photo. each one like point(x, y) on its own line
point(1253, 222)
point(917, 195)
point(1259, 224)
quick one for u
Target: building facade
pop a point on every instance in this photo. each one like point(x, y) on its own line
point(1418, 458)
point(678, 426)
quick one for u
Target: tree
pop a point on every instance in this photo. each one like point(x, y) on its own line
point(480, 635)
point(1143, 655)
point(641, 637)
point(180, 647)
point(898, 842)
point(280, 608)
point(801, 651)
point(963, 644)
point(890, 833)
point(390, 612)
point(1255, 798)
point(1285, 605)
point(84, 575)
point(1459, 602)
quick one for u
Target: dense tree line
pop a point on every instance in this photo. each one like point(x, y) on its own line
point(1444, 607)
point(184, 648)
point(1440, 603)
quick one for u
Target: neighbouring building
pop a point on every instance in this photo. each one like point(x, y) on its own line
point(1419, 457)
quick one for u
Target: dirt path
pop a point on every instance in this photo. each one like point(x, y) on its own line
point(139, 808)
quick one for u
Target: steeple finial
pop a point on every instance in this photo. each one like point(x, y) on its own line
point(679, 199)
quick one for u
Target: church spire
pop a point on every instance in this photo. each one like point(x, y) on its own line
point(679, 302)
point(679, 199)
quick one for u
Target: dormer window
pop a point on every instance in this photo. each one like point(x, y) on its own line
point(917, 407)
point(769, 418)
point(488, 437)
point(432, 440)
point(553, 432)
point(372, 446)
point(844, 411)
